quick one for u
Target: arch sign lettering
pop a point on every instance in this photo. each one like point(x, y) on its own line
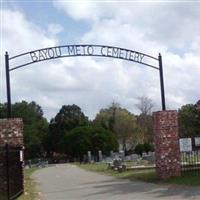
point(39, 55)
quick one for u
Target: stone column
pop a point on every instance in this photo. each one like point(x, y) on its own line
point(166, 139)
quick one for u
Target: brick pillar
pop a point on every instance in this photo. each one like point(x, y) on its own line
point(11, 132)
point(166, 139)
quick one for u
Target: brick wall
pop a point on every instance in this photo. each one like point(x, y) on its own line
point(11, 132)
point(166, 139)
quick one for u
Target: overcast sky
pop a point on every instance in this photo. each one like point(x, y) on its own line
point(171, 28)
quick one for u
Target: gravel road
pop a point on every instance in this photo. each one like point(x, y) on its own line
point(68, 182)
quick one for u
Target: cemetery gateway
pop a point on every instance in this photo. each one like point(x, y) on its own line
point(168, 118)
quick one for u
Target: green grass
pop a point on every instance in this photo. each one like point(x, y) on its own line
point(30, 186)
point(189, 178)
point(143, 175)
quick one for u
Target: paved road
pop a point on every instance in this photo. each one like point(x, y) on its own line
point(68, 182)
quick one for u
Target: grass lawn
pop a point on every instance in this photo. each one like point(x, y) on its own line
point(30, 186)
point(189, 178)
point(3, 197)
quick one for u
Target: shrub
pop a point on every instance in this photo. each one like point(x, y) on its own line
point(139, 149)
point(148, 147)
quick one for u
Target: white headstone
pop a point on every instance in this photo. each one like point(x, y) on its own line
point(21, 156)
point(185, 144)
point(89, 156)
point(197, 141)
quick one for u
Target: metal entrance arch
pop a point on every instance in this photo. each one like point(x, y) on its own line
point(40, 55)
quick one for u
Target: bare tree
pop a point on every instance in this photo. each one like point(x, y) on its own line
point(145, 105)
point(145, 120)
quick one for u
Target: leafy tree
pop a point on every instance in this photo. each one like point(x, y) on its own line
point(35, 126)
point(68, 118)
point(107, 117)
point(87, 138)
point(122, 123)
point(189, 120)
point(128, 133)
point(76, 143)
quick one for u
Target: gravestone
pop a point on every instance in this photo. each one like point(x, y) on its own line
point(135, 157)
point(100, 156)
point(89, 157)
